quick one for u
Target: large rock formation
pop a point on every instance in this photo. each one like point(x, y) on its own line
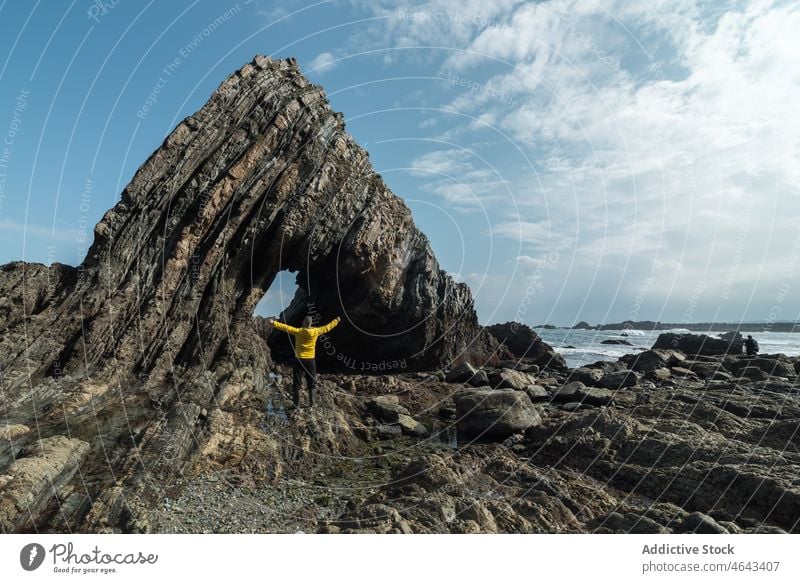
point(263, 178)
point(145, 361)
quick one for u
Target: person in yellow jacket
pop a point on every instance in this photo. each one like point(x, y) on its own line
point(305, 343)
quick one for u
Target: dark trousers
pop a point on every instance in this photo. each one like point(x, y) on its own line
point(304, 367)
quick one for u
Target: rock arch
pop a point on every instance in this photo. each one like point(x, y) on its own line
point(262, 178)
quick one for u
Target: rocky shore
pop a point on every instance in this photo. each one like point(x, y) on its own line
point(659, 441)
point(656, 442)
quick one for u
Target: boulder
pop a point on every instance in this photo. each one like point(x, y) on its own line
point(568, 392)
point(619, 380)
point(35, 477)
point(587, 376)
point(700, 343)
point(523, 342)
point(494, 413)
point(509, 379)
point(706, 370)
point(466, 373)
point(619, 341)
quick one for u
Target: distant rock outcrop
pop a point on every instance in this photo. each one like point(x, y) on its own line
point(700, 344)
point(525, 344)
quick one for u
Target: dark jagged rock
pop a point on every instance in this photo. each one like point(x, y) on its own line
point(700, 344)
point(616, 341)
point(525, 344)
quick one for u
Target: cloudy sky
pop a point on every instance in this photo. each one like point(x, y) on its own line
point(568, 160)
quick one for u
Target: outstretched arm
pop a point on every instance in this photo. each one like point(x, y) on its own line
point(329, 326)
point(284, 327)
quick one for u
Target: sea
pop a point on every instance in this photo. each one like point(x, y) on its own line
point(580, 347)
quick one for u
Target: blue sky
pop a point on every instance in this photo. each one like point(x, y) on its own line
point(568, 160)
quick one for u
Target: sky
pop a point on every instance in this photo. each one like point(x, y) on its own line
point(568, 160)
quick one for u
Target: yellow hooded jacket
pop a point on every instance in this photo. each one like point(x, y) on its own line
point(305, 339)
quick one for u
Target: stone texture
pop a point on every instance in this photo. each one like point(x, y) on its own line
point(154, 418)
point(649, 360)
point(771, 366)
point(537, 393)
point(35, 477)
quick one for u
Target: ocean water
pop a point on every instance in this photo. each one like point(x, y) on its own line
point(587, 344)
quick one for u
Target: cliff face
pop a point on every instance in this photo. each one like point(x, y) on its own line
point(262, 178)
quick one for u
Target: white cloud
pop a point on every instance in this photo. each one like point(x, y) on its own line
point(454, 175)
point(322, 62)
point(665, 135)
